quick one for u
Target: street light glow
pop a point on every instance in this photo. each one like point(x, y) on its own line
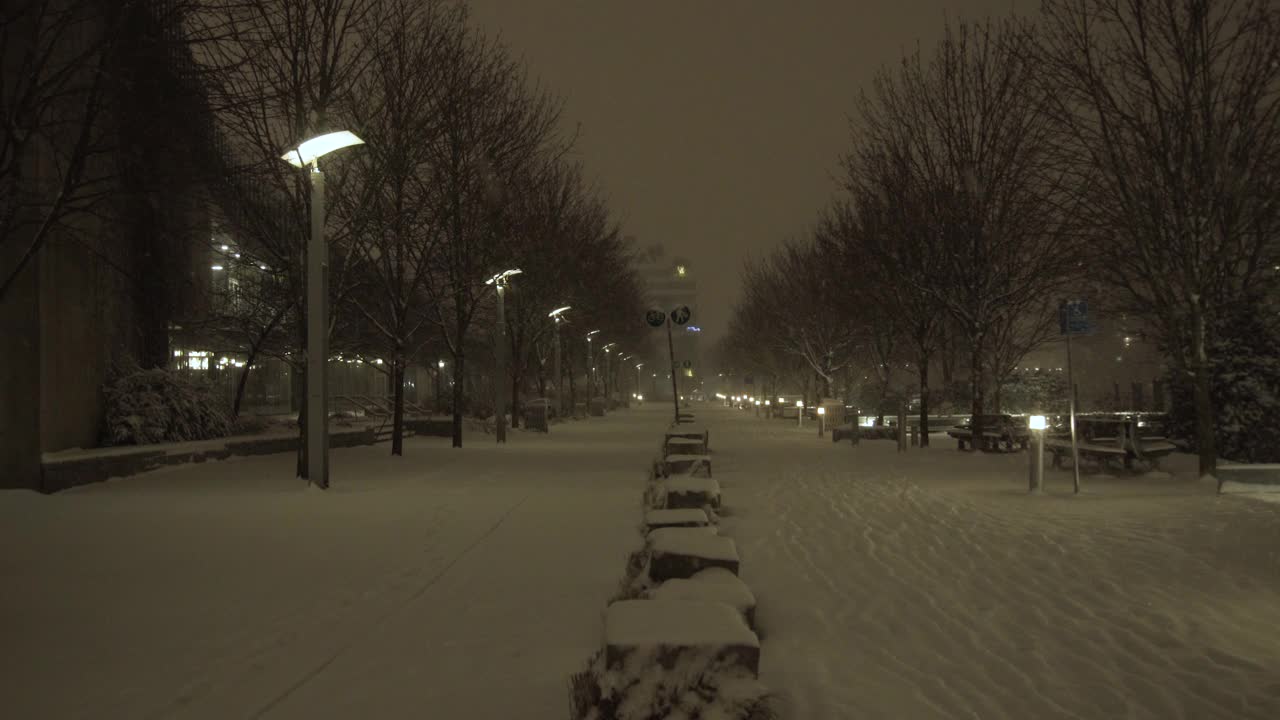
point(317, 147)
point(502, 276)
point(1036, 422)
point(556, 313)
point(593, 332)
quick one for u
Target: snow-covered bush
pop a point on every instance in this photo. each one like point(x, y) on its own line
point(1245, 388)
point(696, 686)
point(158, 405)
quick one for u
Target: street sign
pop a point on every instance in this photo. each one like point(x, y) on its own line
point(655, 317)
point(1073, 318)
point(681, 315)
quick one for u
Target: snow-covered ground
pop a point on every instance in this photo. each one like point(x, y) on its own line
point(470, 584)
point(931, 585)
point(444, 584)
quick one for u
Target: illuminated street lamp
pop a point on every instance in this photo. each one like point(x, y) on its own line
point(822, 419)
point(800, 413)
point(604, 383)
point(499, 282)
point(558, 316)
point(591, 368)
point(1037, 425)
point(307, 155)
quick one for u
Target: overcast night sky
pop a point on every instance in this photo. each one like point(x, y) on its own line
point(714, 127)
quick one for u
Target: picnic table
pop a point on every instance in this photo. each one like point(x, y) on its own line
point(1128, 445)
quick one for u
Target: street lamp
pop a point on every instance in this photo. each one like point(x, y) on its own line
point(499, 282)
point(1037, 425)
point(307, 155)
point(591, 369)
point(800, 413)
point(605, 382)
point(439, 373)
point(822, 419)
point(558, 316)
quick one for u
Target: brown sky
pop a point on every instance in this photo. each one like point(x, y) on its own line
point(714, 126)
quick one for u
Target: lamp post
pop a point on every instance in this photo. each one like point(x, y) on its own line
point(499, 282)
point(439, 372)
point(1037, 425)
point(558, 316)
point(604, 383)
point(799, 413)
point(307, 155)
point(590, 368)
point(822, 419)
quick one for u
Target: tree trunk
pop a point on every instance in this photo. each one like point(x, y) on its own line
point(397, 413)
point(515, 395)
point(573, 396)
point(1206, 443)
point(241, 382)
point(975, 384)
point(924, 400)
point(458, 379)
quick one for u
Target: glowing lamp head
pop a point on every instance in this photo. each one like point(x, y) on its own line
point(317, 147)
point(440, 364)
point(822, 410)
point(1036, 422)
point(800, 403)
point(501, 278)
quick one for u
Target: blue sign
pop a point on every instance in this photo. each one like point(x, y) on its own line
point(693, 328)
point(1073, 318)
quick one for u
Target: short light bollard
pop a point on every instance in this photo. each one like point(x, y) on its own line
point(822, 420)
point(1037, 425)
point(757, 408)
point(799, 413)
point(768, 410)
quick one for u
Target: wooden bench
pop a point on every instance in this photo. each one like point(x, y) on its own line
point(704, 436)
point(1127, 451)
point(685, 465)
point(1257, 475)
point(990, 440)
point(846, 432)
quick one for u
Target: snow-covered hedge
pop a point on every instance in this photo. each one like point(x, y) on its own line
point(698, 686)
point(158, 405)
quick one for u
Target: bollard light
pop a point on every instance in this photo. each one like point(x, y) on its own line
point(1037, 422)
point(1037, 425)
point(822, 420)
point(822, 411)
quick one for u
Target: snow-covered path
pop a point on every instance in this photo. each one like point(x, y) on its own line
point(930, 585)
point(444, 584)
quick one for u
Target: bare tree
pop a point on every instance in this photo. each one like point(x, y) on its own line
point(957, 147)
point(1169, 110)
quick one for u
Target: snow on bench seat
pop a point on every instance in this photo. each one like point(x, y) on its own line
point(682, 463)
point(1258, 477)
point(711, 585)
point(684, 446)
point(682, 552)
point(689, 434)
point(682, 517)
point(663, 630)
point(687, 491)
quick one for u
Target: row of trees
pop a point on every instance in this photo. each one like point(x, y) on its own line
point(1121, 150)
point(466, 172)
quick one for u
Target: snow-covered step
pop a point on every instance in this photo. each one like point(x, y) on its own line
point(684, 446)
point(687, 491)
point(683, 552)
point(682, 517)
point(714, 584)
point(684, 463)
point(663, 630)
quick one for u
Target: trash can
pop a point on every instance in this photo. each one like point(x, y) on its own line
point(536, 414)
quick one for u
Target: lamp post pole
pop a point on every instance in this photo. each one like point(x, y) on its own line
point(500, 387)
point(559, 390)
point(317, 338)
point(439, 372)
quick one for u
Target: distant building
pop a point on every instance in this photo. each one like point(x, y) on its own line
point(670, 283)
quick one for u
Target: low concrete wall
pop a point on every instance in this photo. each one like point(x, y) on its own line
point(62, 474)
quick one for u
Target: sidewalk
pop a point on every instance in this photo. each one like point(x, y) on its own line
point(446, 583)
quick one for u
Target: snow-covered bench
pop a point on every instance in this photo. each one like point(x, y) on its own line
point(676, 517)
point(710, 585)
point(683, 446)
point(1256, 475)
point(638, 632)
point(1149, 452)
point(681, 552)
point(704, 436)
point(688, 491)
point(990, 440)
point(686, 464)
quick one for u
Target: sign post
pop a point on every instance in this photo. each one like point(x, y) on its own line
point(1073, 319)
point(679, 316)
